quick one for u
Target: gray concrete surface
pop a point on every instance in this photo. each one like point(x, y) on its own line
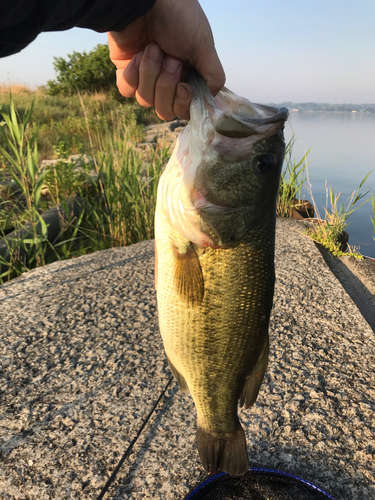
point(82, 363)
point(358, 279)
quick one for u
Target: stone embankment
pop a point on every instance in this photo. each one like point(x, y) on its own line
point(160, 135)
point(82, 364)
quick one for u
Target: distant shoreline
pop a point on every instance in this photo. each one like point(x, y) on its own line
point(331, 112)
point(322, 107)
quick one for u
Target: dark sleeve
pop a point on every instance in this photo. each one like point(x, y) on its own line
point(21, 21)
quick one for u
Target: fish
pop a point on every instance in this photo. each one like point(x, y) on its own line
point(215, 222)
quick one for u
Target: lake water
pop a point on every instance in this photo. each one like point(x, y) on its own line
point(342, 153)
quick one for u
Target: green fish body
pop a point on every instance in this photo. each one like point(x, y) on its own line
point(215, 237)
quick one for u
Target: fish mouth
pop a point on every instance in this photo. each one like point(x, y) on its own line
point(198, 193)
point(230, 115)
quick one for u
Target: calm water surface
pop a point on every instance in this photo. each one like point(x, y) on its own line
point(342, 153)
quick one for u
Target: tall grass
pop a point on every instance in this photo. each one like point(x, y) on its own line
point(293, 177)
point(61, 122)
point(21, 153)
point(123, 209)
point(117, 192)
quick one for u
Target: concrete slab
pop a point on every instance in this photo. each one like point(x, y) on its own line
point(358, 279)
point(82, 363)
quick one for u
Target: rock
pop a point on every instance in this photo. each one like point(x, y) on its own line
point(79, 160)
point(181, 124)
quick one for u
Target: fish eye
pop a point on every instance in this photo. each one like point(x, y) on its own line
point(265, 163)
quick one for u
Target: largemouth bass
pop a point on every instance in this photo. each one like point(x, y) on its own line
point(215, 238)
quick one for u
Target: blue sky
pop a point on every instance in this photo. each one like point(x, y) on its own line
point(271, 50)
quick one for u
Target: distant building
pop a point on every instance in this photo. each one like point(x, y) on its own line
point(294, 110)
point(354, 111)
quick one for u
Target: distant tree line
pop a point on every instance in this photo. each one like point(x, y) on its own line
point(329, 108)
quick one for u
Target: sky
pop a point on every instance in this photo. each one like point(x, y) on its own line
point(271, 50)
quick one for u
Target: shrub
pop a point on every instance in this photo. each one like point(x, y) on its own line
point(82, 72)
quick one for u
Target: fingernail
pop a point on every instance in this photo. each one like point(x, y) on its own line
point(172, 65)
point(154, 52)
point(182, 93)
point(138, 59)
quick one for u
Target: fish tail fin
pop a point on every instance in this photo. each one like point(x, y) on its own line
point(227, 453)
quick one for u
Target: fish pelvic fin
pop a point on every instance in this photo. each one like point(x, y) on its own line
point(188, 276)
point(227, 453)
point(180, 379)
point(254, 380)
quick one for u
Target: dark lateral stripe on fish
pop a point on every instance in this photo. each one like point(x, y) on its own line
point(227, 453)
point(188, 276)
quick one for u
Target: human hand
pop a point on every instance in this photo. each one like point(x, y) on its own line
point(153, 55)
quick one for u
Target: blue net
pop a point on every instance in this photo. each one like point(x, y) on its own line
point(257, 484)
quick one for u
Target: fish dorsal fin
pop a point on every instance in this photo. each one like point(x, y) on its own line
point(231, 126)
point(188, 276)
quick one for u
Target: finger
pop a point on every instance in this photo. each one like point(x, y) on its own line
point(181, 105)
point(165, 88)
point(127, 78)
point(149, 70)
point(125, 44)
point(204, 57)
point(208, 64)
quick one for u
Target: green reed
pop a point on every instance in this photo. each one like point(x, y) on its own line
point(21, 154)
point(116, 191)
point(328, 231)
point(292, 180)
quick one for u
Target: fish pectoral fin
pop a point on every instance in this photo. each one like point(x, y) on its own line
point(253, 381)
point(227, 453)
point(180, 379)
point(188, 276)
